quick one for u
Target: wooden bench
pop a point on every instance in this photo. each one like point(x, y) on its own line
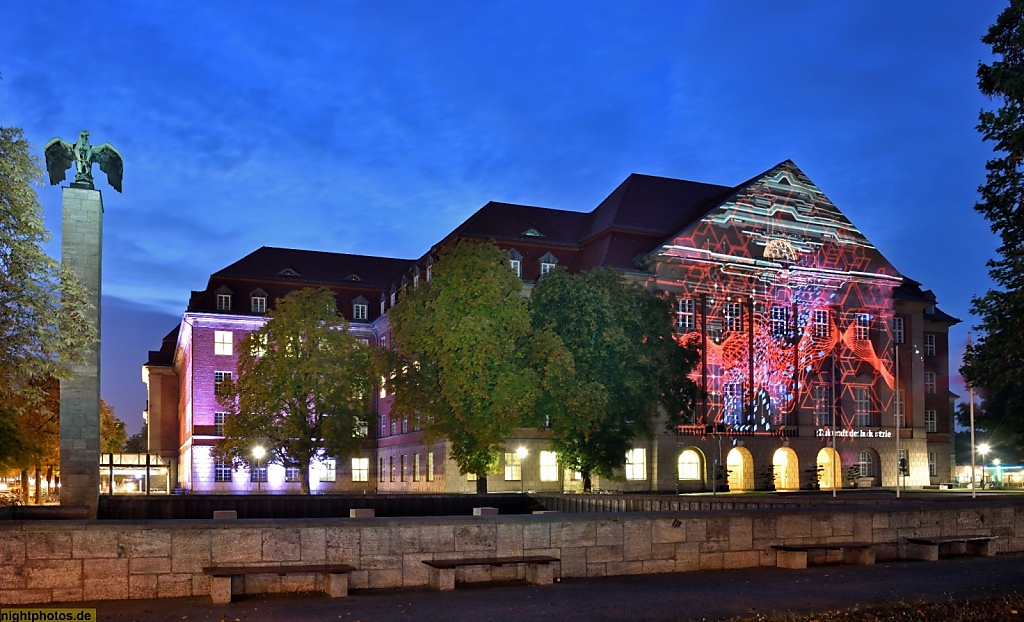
point(928, 549)
point(442, 571)
point(795, 555)
point(220, 583)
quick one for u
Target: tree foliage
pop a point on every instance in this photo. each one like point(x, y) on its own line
point(622, 366)
point(303, 387)
point(43, 327)
point(464, 360)
point(112, 431)
point(138, 443)
point(994, 362)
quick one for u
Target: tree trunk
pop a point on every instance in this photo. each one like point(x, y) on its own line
point(304, 479)
point(587, 484)
point(39, 487)
point(49, 480)
point(481, 484)
point(24, 487)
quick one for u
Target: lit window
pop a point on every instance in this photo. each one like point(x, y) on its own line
point(732, 403)
point(822, 325)
point(430, 467)
point(360, 469)
point(329, 470)
point(866, 464)
point(401, 469)
point(929, 345)
point(517, 266)
point(933, 468)
point(221, 471)
point(689, 464)
point(223, 302)
point(415, 467)
point(222, 342)
point(391, 468)
point(929, 382)
point(360, 312)
point(380, 470)
point(362, 429)
point(733, 316)
point(897, 330)
point(685, 317)
point(513, 467)
point(822, 404)
point(258, 344)
point(900, 422)
point(548, 466)
point(291, 474)
point(861, 407)
point(219, 378)
point(930, 421)
point(470, 477)
point(636, 464)
point(780, 321)
point(259, 304)
point(383, 389)
point(218, 423)
point(863, 331)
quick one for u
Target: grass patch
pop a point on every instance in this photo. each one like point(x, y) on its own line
point(995, 609)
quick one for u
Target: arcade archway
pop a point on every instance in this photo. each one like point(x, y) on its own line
point(830, 469)
point(786, 468)
point(741, 469)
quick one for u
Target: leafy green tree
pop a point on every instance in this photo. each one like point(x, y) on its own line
point(43, 327)
point(112, 432)
point(464, 359)
point(994, 362)
point(626, 368)
point(303, 387)
point(138, 443)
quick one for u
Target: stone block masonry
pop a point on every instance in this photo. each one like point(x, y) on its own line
point(64, 561)
point(82, 251)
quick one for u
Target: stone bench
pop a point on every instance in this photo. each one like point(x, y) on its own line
point(795, 555)
point(220, 583)
point(442, 571)
point(928, 549)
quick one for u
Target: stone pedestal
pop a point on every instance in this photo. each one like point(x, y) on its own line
point(82, 251)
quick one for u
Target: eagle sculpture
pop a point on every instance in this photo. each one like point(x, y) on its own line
point(61, 155)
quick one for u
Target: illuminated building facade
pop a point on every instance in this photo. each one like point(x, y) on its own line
point(823, 366)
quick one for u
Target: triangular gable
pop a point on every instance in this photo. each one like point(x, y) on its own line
point(782, 219)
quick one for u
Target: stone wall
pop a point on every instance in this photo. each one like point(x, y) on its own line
point(92, 560)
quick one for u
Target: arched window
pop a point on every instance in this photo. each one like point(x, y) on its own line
point(689, 464)
point(867, 464)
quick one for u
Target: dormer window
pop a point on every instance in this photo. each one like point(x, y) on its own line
point(288, 272)
point(430, 265)
point(258, 301)
point(515, 261)
point(383, 304)
point(394, 296)
point(415, 277)
point(533, 233)
point(223, 299)
point(360, 308)
point(547, 263)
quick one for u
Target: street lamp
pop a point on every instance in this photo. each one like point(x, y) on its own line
point(258, 452)
point(521, 453)
point(983, 449)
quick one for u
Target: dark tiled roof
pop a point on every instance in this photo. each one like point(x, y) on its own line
point(165, 355)
point(316, 267)
point(540, 225)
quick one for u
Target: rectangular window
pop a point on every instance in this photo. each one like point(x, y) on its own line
point(513, 467)
point(548, 466)
point(470, 477)
point(929, 345)
point(219, 378)
point(383, 426)
point(383, 392)
point(861, 407)
point(636, 464)
point(405, 426)
point(517, 267)
point(733, 316)
point(900, 419)
point(821, 323)
point(329, 470)
point(394, 427)
point(291, 474)
point(401, 469)
point(258, 344)
point(866, 464)
point(259, 304)
point(258, 472)
point(822, 396)
point(360, 469)
point(430, 467)
point(380, 470)
point(863, 331)
point(383, 306)
point(223, 302)
point(221, 471)
point(930, 421)
point(391, 467)
point(904, 461)
point(415, 467)
point(780, 321)
point(222, 342)
point(359, 312)
point(429, 273)
point(546, 267)
point(897, 330)
point(218, 423)
point(929, 382)
point(933, 468)
point(732, 403)
point(685, 318)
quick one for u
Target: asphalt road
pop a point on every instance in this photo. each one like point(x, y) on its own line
point(708, 595)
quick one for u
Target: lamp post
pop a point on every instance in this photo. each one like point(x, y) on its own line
point(982, 449)
point(521, 454)
point(258, 452)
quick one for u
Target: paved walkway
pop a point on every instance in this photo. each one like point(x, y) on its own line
point(711, 595)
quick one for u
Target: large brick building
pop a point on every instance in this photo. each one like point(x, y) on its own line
point(822, 366)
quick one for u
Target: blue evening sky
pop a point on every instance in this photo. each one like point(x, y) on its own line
point(377, 127)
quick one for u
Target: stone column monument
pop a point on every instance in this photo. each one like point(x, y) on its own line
point(82, 251)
